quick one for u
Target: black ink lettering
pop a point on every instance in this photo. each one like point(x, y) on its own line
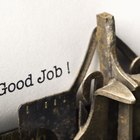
point(11, 87)
point(29, 81)
point(50, 75)
point(68, 67)
point(58, 71)
point(20, 85)
point(41, 79)
point(3, 89)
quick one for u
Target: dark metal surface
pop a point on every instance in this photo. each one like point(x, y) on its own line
point(132, 60)
point(12, 135)
point(56, 114)
point(125, 119)
point(136, 116)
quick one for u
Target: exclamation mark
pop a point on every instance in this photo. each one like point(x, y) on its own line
point(68, 67)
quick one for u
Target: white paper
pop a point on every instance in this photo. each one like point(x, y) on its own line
point(46, 34)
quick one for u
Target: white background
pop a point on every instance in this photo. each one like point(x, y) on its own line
point(39, 34)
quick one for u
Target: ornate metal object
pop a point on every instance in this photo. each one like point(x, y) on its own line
point(106, 113)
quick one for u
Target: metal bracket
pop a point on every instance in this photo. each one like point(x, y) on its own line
point(118, 86)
